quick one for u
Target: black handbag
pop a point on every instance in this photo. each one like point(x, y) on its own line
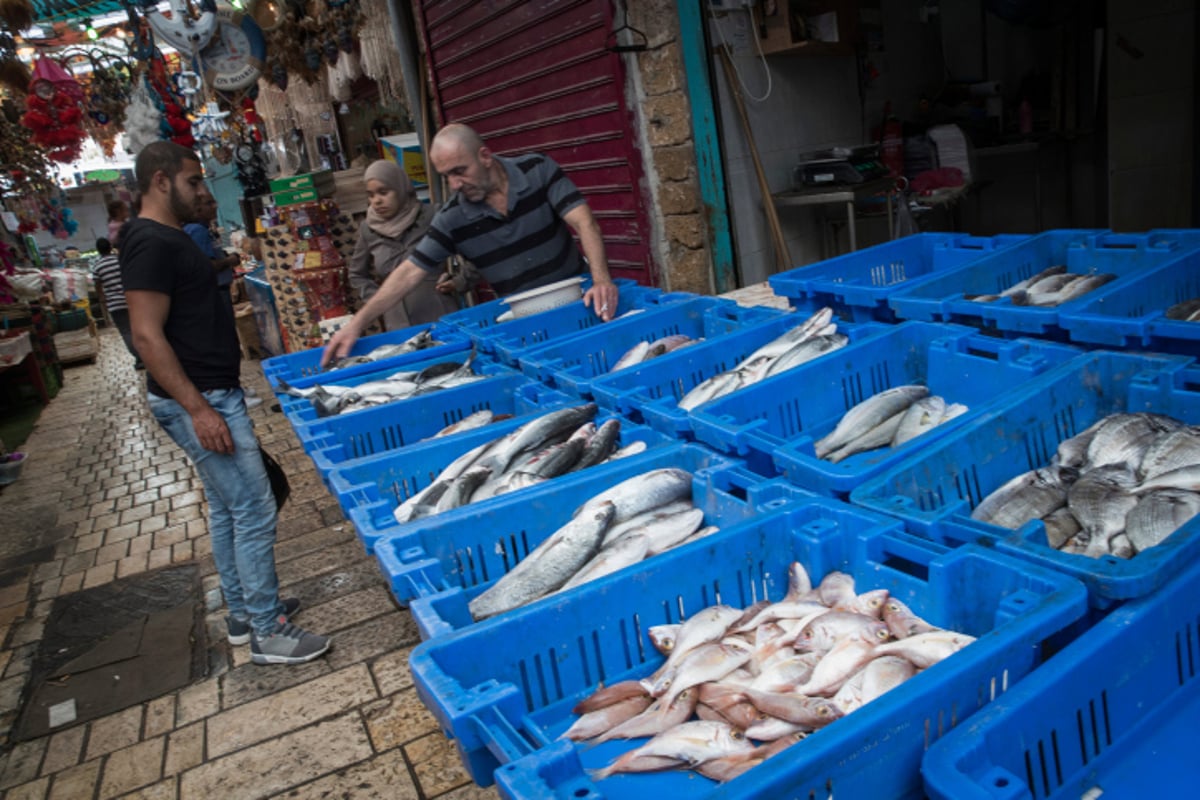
point(279, 481)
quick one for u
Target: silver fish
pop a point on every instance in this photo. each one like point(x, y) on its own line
point(806, 351)
point(1186, 311)
point(868, 414)
point(618, 529)
point(1170, 451)
point(708, 662)
point(548, 566)
point(1084, 285)
point(634, 355)
point(719, 385)
point(1100, 500)
point(1125, 438)
point(459, 492)
point(484, 416)
point(879, 436)
point(1030, 495)
point(1185, 478)
point(923, 415)
point(847, 657)
point(536, 434)
point(821, 634)
point(599, 445)
point(1056, 269)
point(1061, 526)
point(629, 549)
point(884, 674)
point(644, 492)
point(1158, 514)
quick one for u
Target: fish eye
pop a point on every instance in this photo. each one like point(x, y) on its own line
point(736, 734)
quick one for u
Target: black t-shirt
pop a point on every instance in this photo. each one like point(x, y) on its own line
point(199, 327)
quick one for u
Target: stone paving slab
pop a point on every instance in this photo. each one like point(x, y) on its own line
point(106, 494)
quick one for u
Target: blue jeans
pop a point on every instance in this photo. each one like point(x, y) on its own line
point(241, 507)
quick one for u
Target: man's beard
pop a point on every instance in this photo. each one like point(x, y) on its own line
point(181, 210)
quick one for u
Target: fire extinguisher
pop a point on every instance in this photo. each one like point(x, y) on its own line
point(891, 143)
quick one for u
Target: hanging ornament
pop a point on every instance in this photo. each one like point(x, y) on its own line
point(186, 31)
point(52, 111)
point(18, 15)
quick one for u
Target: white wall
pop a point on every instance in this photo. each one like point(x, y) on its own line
point(813, 104)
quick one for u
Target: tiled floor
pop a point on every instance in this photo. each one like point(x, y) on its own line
point(104, 495)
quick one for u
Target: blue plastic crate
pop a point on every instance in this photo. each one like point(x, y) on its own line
point(438, 567)
point(335, 441)
point(935, 491)
point(1083, 251)
point(370, 489)
point(857, 285)
point(504, 688)
point(299, 410)
point(1133, 315)
point(650, 392)
point(775, 423)
point(479, 322)
point(573, 364)
point(303, 369)
point(1112, 715)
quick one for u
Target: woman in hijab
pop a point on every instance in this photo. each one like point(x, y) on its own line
point(396, 221)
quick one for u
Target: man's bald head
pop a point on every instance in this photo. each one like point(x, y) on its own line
point(457, 136)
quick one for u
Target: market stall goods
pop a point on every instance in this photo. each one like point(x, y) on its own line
point(1120, 487)
point(771, 674)
point(887, 419)
point(420, 341)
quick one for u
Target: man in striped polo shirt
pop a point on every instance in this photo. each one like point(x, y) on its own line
point(509, 217)
point(107, 270)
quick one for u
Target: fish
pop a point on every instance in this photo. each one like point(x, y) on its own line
point(883, 674)
point(459, 491)
point(823, 633)
point(1061, 526)
point(661, 715)
point(618, 529)
point(601, 720)
point(879, 436)
point(689, 743)
point(625, 551)
point(869, 414)
point(926, 649)
point(901, 620)
point(478, 419)
point(1186, 478)
point(923, 415)
point(810, 712)
point(1186, 311)
point(718, 385)
point(663, 638)
point(599, 445)
point(634, 355)
point(806, 351)
point(1125, 438)
point(1028, 496)
point(644, 492)
point(420, 341)
point(843, 660)
point(548, 566)
point(607, 695)
point(1157, 515)
point(1100, 500)
point(537, 433)
point(1056, 269)
point(1170, 451)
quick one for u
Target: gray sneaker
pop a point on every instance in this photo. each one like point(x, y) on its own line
point(239, 629)
point(287, 644)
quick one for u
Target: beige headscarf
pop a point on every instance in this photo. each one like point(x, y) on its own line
point(390, 174)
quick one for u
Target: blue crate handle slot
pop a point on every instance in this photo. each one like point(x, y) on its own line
point(501, 737)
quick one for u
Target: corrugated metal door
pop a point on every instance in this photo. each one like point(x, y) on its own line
point(537, 77)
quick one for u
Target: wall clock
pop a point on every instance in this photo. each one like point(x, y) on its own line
point(236, 53)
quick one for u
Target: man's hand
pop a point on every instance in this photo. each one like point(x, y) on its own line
point(339, 345)
point(602, 298)
point(445, 284)
point(212, 431)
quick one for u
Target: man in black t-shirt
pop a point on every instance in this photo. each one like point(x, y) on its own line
point(186, 336)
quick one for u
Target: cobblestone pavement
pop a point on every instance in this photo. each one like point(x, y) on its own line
point(105, 495)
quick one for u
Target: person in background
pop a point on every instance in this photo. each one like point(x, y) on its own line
point(510, 217)
point(202, 234)
point(118, 215)
point(135, 208)
point(107, 270)
point(396, 221)
point(184, 331)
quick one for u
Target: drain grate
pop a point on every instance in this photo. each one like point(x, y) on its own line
point(114, 646)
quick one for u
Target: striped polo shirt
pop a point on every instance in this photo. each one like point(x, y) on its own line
point(107, 270)
point(531, 247)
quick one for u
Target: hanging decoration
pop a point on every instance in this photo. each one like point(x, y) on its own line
point(380, 61)
point(13, 72)
point(108, 88)
point(236, 56)
point(143, 119)
point(186, 28)
point(24, 165)
point(53, 111)
point(17, 15)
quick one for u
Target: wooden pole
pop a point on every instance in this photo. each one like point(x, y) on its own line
point(782, 259)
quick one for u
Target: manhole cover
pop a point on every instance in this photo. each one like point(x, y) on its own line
point(114, 646)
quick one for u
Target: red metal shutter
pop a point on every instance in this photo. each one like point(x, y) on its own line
point(536, 77)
